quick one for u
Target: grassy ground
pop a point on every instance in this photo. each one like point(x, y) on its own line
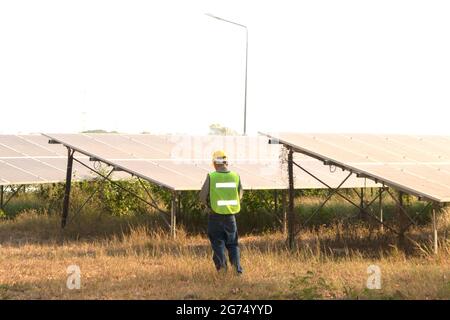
point(128, 258)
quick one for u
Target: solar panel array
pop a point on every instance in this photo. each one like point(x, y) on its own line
point(30, 159)
point(181, 162)
point(419, 165)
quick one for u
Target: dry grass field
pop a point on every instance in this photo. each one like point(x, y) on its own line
point(141, 263)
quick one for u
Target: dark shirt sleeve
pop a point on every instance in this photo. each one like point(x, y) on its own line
point(241, 191)
point(204, 192)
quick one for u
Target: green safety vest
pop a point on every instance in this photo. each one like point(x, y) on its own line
point(224, 192)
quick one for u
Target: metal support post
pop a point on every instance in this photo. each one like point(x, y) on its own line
point(435, 232)
point(290, 220)
point(65, 212)
point(361, 212)
point(380, 207)
point(400, 217)
point(179, 207)
point(1, 197)
point(275, 202)
point(284, 211)
point(173, 216)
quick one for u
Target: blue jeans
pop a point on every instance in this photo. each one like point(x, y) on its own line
point(222, 232)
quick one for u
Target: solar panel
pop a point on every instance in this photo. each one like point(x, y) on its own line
point(30, 159)
point(181, 162)
point(419, 165)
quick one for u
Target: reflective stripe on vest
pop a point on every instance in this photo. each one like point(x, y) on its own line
point(224, 192)
point(226, 185)
point(227, 202)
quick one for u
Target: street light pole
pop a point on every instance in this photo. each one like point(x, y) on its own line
point(246, 63)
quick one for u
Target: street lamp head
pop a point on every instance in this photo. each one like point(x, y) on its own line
point(212, 16)
point(225, 20)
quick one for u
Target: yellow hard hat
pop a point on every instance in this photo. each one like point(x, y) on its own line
point(219, 156)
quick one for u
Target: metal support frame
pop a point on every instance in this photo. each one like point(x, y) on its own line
point(275, 201)
point(290, 214)
point(71, 149)
point(284, 211)
point(66, 202)
point(362, 201)
point(153, 205)
point(363, 210)
point(179, 205)
point(361, 196)
point(400, 219)
point(362, 207)
point(173, 215)
point(1, 197)
point(14, 193)
point(435, 231)
point(401, 208)
point(380, 208)
point(90, 197)
point(280, 208)
point(332, 191)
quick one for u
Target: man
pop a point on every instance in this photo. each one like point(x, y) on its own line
point(221, 193)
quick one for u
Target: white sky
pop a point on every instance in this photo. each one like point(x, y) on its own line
point(165, 67)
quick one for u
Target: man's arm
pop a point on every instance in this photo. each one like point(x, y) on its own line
point(204, 192)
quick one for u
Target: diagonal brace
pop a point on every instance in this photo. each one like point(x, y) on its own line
point(15, 192)
point(126, 190)
point(90, 196)
point(402, 209)
point(332, 192)
point(350, 201)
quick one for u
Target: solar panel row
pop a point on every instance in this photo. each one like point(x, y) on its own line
point(30, 159)
point(419, 165)
point(182, 162)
